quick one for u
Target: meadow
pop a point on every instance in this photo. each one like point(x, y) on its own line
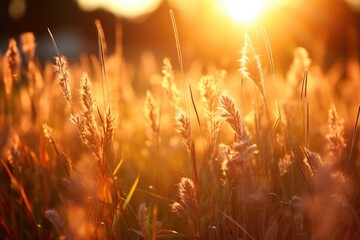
point(102, 149)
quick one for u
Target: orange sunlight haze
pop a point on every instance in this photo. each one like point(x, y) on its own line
point(243, 11)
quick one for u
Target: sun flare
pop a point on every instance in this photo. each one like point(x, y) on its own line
point(243, 10)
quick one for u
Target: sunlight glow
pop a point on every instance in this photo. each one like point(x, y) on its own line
point(243, 10)
point(124, 8)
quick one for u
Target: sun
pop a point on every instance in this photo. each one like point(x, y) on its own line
point(243, 11)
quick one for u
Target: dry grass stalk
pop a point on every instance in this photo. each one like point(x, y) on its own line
point(34, 75)
point(335, 138)
point(168, 83)
point(151, 112)
point(110, 124)
point(79, 122)
point(301, 63)
point(187, 209)
point(284, 164)
point(12, 65)
point(250, 65)
point(28, 45)
point(237, 160)
point(313, 160)
point(47, 133)
point(61, 70)
point(233, 118)
point(90, 130)
point(184, 128)
point(210, 94)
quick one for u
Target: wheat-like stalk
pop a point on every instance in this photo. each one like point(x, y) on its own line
point(313, 160)
point(168, 83)
point(93, 138)
point(284, 164)
point(335, 137)
point(301, 63)
point(28, 45)
point(233, 117)
point(187, 208)
point(151, 112)
point(12, 65)
point(184, 128)
point(35, 79)
point(250, 65)
point(110, 123)
point(60, 68)
point(210, 94)
point(188, 194)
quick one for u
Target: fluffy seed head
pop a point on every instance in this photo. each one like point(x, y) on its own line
point(60, 68)
point(110, 123)
point(335, 137)
point(151, 112)
point(28, 45)
point(312, 160)
point(168, 83)
point(301, 63)
point(12, 62)
point(184, 128)
point(187, 193)
point(284, 164)
point(233, 117)
point(47, 132)
point(250, 65)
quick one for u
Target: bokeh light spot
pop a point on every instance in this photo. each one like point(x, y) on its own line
point(124, 8)
point(17, 9)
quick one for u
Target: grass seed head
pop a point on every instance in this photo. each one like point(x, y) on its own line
point(28, 45)
point(12, 66)
point(250, 65)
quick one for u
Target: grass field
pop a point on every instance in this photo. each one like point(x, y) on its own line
point(103, 149)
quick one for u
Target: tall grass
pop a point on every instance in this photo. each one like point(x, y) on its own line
point(263, 159)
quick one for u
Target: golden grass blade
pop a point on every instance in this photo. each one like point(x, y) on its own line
point(131, 193)
point(119, 211)
point(118, 166)
point(269, 52)
point(102, 58)
point(278, 120)
point(193, 103)
point(304, 85)
point(54, 43)
point(176, 34)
